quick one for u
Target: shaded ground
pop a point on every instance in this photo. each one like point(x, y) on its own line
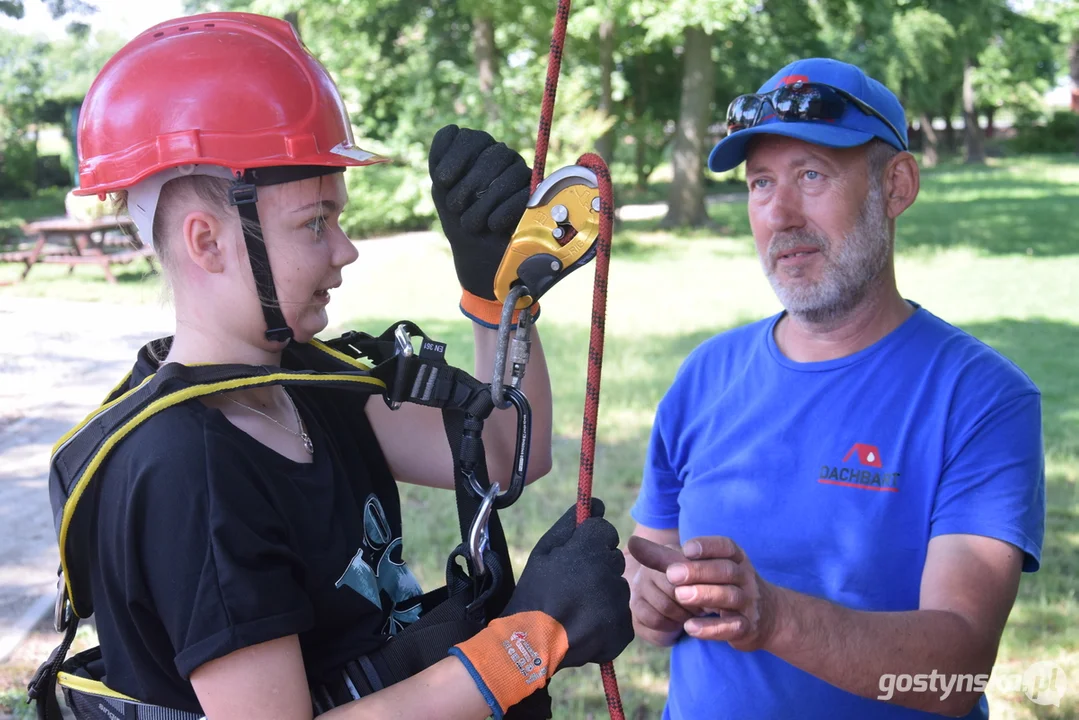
point(57, 361)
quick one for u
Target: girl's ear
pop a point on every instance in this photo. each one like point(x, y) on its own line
point(203, 242)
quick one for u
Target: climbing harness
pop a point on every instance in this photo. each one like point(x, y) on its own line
point(387, 365)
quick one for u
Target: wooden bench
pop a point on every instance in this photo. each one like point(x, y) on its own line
point(82, 242)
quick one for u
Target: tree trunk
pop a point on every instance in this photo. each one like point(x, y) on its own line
point(686, 198)
point(483, 46)
point(930, 154)
point(1073, 63)
point(640, 139)
point(605, 142)
point(975, 143)
point(949, 134)
point(989, 113)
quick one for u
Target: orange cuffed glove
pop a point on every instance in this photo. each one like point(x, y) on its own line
point(570, 608)
point(480, 189)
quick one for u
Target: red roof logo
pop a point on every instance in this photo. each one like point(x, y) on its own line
point(791, 79)
point(868, 455)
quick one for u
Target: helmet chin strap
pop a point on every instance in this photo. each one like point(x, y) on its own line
point(243, 193)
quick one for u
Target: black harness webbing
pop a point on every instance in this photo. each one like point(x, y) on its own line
point(354, 362)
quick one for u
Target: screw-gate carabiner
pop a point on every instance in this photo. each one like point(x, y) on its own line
point(517, 349)
point(520, 455)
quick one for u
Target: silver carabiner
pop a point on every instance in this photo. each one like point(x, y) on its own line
point(479, 539)
point(516, 349)
point(402, 346)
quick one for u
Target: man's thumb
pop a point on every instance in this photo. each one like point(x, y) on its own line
point(652, 555)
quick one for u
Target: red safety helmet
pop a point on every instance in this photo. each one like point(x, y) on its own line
point(236, 90)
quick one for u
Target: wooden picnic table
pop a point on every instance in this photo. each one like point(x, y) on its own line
point(82, 242)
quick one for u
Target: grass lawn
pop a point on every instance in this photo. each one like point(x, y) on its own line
point(993, 250)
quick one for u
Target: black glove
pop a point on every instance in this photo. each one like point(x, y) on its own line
point(480, 189)
point(574, 574)
point(570, 607)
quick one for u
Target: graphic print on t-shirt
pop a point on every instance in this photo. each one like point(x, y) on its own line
point(390, 585)
point(868, 471)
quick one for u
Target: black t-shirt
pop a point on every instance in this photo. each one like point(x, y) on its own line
point(207, 541)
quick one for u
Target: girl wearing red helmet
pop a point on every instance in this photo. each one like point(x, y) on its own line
point(248, 544)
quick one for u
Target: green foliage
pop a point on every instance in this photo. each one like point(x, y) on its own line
point(14, 701)
point(18, 168)
point(923, 70)
point(21, 70)
point(1060, 134)
point(1018, 65)
point(668, 19)
point(39, 83)
point(407, 69)
point(57, 8)
point(387, 198)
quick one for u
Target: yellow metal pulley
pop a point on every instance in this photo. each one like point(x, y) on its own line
point(556, 235)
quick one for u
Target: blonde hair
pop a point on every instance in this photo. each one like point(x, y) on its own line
point(213, 191)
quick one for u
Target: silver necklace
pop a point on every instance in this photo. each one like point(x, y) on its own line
point(302, 434)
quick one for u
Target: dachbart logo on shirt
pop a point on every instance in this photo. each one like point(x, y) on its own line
point(862, 468)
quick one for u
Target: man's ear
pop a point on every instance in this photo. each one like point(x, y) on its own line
point(203, 241)
point(902, 180)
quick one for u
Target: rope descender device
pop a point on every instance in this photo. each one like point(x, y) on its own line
point(556, 235)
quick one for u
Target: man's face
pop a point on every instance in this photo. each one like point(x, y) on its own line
point(819, 223)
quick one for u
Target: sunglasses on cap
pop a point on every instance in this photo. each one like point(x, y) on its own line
point(798, 102)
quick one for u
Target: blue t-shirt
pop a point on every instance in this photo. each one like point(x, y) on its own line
point(833, 476)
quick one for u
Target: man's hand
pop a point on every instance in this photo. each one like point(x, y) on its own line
point(719, 586)
point(652, 598)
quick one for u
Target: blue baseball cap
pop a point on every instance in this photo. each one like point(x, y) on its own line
point(853, 128)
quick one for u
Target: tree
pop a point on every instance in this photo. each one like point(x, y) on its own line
point(21, 80)
point(922, 70)
point(57, 8)
point(1065, 15)
point(697, 25)
point(1017, 67)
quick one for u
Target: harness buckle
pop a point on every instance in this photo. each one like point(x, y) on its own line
point(479, 539)
point(61, 613)
point(242, 193)
point(402, 342)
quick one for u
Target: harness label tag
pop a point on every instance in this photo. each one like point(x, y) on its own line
point(433, 350)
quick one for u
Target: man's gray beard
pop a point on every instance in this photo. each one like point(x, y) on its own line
point(846, 276)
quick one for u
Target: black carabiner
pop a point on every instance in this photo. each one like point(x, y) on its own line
point(522, 449)
point(520, 455)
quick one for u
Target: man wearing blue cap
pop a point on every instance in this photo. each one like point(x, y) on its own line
point(842, 496)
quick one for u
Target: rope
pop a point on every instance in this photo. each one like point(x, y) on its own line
point(599, 302)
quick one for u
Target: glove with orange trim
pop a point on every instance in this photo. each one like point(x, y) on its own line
point(570, 608)
point(480, 189)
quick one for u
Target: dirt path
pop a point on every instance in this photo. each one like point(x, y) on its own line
point(57, 361)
